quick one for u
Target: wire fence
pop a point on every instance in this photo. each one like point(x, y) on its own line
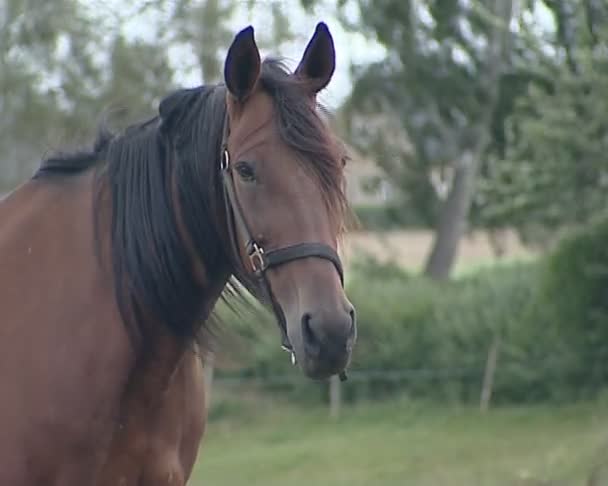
point(354, 376)
point(541, 379)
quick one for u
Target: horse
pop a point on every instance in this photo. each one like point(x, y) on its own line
point(113, 257)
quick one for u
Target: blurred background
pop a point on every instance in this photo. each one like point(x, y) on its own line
point(478, 132)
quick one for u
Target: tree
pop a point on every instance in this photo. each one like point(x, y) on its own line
point(455, 212)
point(205, 26)
point(40, 47)
point(55, 81)
point(553, 172)
point(139, 79)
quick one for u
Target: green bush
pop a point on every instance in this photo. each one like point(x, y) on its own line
point(577, 272)
point(445, 330)
point(574, 298)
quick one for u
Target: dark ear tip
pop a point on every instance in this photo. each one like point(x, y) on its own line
point(322, 31)
point(322, 28)
point(247, 32)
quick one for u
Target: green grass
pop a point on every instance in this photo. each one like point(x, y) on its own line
point(403, 443)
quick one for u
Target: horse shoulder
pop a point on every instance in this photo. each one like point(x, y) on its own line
point(158, 442)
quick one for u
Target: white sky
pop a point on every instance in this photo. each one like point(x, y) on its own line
point(349, 47)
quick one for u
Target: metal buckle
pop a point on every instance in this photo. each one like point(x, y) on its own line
point(291, 353)
point(256, 257)
point(225, 160)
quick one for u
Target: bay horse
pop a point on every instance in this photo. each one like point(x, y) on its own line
point(113, 258)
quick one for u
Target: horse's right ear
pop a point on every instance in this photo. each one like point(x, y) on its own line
point(242, 66)
point(318, 62)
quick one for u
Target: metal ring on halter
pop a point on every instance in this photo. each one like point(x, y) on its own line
point(225, 160)
point(257, 259)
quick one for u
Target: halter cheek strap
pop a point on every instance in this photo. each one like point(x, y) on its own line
point(260, 259)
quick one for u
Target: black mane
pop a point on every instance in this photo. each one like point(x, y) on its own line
point(65, 164)
point(142, 169)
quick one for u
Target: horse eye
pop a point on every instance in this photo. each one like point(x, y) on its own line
point(246, 171)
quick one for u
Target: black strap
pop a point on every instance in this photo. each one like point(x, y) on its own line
point(304, 250)
point(233, 206)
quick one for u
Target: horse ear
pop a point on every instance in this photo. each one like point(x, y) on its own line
point(242, 66)
point(319, 59)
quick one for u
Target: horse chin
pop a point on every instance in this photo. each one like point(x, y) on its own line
point(316, 369)
point(312, 363)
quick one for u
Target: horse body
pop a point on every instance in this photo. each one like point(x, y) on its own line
point(156, 442)
point(62, 372)
point(114, 258)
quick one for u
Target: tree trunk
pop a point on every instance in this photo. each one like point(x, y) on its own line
point(453, 219)
point(335, 396)
point(455, 211)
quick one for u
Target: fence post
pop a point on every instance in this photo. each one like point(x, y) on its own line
point(489, 372)
point(208, 372)
point(335, 396)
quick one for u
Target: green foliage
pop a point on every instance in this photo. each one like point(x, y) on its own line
point(426, 105)
point(207, 28)
point(532, 113)
point(551, 171)
point(64, 67)
point(39, 46)
point(138, 79)
point(203, 26)
point(447, 329)
point(385, 306)
point(575, 296)
point(578, 271)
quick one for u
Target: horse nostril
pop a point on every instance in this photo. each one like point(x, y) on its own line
point(310, 339)
point(353, 323)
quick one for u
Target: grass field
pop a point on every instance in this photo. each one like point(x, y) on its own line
point(404, 443)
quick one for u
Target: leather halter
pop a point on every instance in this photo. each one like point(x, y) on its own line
point(259, 258)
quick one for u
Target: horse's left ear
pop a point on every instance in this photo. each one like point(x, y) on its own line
point(242, 66)
point(319, 59)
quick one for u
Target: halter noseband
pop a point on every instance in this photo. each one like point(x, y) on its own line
point(260, 259)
